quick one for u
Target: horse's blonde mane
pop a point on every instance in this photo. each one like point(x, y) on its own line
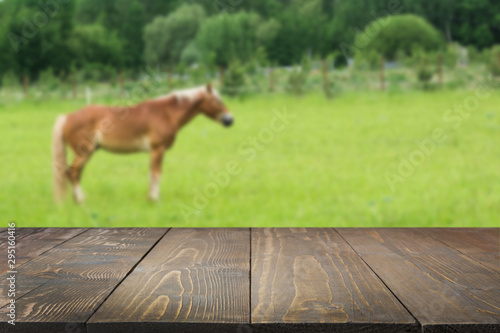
point(189, 94)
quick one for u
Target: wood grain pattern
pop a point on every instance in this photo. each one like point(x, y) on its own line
point(252, 281)
point(480, 244)
point(29, 243)
point(68, 283)
point(306, 276)
point(32, 242)
point(192, 277)
point(440, 286)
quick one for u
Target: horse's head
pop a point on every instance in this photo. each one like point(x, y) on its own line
point(213, 107)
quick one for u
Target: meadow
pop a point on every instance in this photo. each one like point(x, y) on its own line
point(368, 159)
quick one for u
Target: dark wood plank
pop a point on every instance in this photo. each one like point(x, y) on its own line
point(481, 244)
point(30, 243)
point(311, 276)
point(444, 289)
point(194, 280)
point(67, 284)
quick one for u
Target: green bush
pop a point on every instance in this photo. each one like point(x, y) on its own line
point(296, 82)
point(97, 72)
point(198, 74)
point(473, 54)
point(494, 61)
point(10, 80)
point(476, 56)
point(298, 77)
point(368, 60)
point(234, 80)
point(394, 79)
point(330, 88)
point(425, 68)
point(339, 60)
point(48, 81)
point(450, 56)
point(402, 59)
point(388, 35)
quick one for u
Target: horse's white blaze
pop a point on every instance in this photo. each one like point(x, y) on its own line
point(78, 193)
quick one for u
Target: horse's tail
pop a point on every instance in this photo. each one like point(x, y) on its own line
point(59, 165)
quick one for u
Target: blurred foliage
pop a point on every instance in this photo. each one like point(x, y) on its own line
point(298, 77)
point(227, 37)
point(167, 37)
point(234, 80)
point(451, 55)
point(494, 61)
point(10, 80)
point(128, 35)
point(424, 66)
point(367, 60)
point(48, 80)
point(388, 35)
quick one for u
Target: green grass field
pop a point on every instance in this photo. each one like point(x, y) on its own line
point(328, 167)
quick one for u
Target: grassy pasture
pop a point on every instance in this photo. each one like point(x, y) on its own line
point(329, 166)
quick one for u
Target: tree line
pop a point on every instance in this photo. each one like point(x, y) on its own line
point(103, 37)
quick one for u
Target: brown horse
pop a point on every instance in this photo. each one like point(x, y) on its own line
point(148, 126)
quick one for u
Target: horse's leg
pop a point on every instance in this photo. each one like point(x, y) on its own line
point(74, 175)
point(156, 161)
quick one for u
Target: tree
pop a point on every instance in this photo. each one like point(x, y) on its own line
point(168, 36)
point(93, 44)
point(438, 13)
point(36, 35)
point(469, 22)
point(305, 29)
point(404, 33)
point(348, 20)
point(153, 8)
point(125, 18)
point(133, 19)
point(225, 37)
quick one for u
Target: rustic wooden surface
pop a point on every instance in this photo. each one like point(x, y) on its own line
point(67, 284)
point(31, 243)
point(440, 286)
point(479, 244)
point(327, 282)
point(254, 280)
point(192, 276)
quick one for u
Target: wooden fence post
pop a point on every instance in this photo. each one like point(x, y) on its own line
point(73, 84)
point(169, 77)
point(325, 75)
point(382, 73)
point(221, 76)
point(121, 83)
point(25, 85)
point(440, 69)
point(271, 79)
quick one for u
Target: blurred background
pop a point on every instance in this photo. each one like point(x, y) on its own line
point(394, 103)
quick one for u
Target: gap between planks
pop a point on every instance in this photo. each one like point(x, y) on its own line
point(419, 324)
point(126, 275)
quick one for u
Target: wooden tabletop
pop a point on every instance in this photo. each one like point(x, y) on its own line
point(253, 280)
